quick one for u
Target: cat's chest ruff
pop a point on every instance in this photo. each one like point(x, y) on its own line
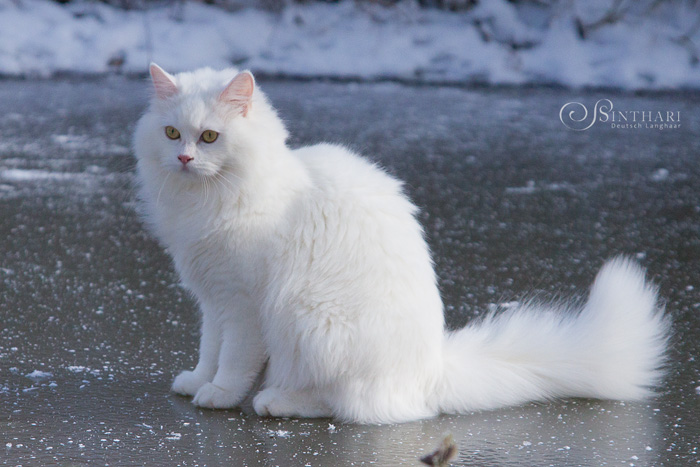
point(221, 261)
point(212, 251)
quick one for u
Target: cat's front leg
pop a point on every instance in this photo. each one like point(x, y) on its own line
point(188, 383)
point(241, 358)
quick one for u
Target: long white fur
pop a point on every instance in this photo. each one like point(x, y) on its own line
point(312, 259)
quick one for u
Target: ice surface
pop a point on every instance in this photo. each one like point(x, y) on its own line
point(495, 42)
point(92, 298)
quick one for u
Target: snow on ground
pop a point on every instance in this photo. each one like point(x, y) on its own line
point(496, 42)
point(38, 374)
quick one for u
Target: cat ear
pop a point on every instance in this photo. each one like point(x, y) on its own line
point(239, 91)
point(162, 82)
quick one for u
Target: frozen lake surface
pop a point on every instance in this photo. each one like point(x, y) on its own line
point(94, 325)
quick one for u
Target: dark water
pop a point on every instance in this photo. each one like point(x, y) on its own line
point(512, 202)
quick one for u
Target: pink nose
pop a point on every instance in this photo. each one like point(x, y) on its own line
point(185, 159)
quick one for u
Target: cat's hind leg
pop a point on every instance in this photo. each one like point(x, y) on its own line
point(277, 402)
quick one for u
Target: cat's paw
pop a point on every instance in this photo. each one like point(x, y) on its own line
point(274, 402)
point(211, 396)
point(188, 383)
point(265, 402)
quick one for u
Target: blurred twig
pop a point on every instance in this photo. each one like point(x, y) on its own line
point(446, 451)
point(614, 14)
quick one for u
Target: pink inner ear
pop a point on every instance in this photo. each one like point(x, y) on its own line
point(162, 82)
point(239, 91)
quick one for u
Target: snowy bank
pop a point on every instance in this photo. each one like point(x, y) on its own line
point(495, 42)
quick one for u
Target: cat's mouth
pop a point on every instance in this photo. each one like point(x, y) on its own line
point(188, 170)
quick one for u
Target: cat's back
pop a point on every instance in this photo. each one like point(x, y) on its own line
point(340, 174)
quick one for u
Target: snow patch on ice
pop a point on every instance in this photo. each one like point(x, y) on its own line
point(71, 141)
point(532, 187)
point(38, 374)
point(660, 175)
point(528, 189)
point(92, 179)
point(23, 175)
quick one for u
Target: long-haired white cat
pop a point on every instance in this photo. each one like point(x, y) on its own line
point(312, 260)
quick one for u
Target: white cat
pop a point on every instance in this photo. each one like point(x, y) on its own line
point(312, 260)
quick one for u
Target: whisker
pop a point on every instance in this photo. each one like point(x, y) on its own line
point(220, 185)
point(224, 175)
point(167, 175)
point(225, 183)
point(226, 171)
point(205, 188)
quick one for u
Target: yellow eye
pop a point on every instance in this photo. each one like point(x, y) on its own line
point(209, 136)
point(171, 132)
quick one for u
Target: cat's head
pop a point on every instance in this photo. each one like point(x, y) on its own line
point(203, 123)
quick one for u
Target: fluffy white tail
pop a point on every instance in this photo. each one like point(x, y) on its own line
point(613, 348)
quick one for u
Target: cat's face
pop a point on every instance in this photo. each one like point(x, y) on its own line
point(197, 122)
